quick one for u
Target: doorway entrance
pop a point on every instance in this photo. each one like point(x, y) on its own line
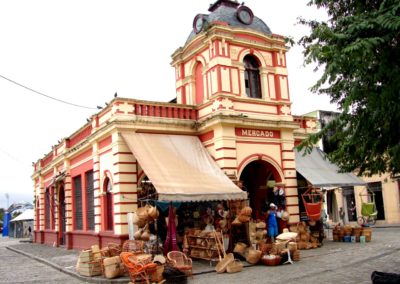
point(376, 187)
point(61, 217)
point(259, 178)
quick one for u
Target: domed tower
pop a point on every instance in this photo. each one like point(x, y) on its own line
point(232, 56)
point(232, 68)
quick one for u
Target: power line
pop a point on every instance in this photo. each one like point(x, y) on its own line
point(44, 95)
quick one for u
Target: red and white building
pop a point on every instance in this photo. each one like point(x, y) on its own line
point(232, 95)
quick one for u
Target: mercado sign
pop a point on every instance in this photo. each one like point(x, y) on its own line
point(262, 133)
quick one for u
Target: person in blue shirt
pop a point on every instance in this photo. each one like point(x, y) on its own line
point(272, 222)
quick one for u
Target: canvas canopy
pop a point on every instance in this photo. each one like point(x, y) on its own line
point(320, 172)
point(180, 168)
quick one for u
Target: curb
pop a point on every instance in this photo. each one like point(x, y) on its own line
point(76, 275)
point(84, 278)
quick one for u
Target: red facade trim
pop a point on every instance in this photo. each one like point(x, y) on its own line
point(105, 142)
point(85, 132)
point(206, 136)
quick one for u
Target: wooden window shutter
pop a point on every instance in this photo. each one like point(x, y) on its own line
point(90, 200)
point(78, 203)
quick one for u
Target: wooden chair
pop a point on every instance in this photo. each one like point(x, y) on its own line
point(137, 270)
point(180, 261)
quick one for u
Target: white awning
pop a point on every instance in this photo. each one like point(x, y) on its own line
point(180, 168)
point(320, 172)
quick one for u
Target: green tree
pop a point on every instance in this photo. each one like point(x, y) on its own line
point(358, 49)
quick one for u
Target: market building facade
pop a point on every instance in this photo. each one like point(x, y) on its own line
point(232, 98)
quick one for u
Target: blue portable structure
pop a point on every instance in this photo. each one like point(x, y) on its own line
point(6, 222)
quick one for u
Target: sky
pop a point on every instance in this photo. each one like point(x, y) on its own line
point(83, 51)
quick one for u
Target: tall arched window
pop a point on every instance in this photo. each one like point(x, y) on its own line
point(109, 225)
point(47, 209)
point(199, 83)
point(252, 77)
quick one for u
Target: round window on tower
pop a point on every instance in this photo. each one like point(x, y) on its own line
point(245, 15)
point(198, 23)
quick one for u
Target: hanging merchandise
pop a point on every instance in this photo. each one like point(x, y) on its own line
point(170, 242)
point(312, 200)
point(279, 197)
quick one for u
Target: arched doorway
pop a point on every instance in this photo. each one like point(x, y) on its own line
point(61, 216)
point(258, 179)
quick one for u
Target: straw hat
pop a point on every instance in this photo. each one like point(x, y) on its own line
point(285, 216)
point(261, 225)
point(287, 236)
point(159, 258)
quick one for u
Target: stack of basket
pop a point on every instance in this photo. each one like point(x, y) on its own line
point(367, 232)
point(87, 265)
point(356, 232)
point(303, 238)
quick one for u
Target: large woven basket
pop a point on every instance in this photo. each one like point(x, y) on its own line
point(253, 256)
point(240, 248)
point(234, 266)
point(114, 249)
point(222, 265)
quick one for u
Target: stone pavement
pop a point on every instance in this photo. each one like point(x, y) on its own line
point(332, 263)
point(65, 261)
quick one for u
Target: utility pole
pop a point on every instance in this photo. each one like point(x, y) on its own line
point(8, 198)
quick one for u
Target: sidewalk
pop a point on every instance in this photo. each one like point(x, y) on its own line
point(65, 261)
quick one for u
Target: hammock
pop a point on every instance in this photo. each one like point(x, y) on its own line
point(312, 201)
point(368, 209)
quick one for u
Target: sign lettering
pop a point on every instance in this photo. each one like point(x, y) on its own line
point(258, 133)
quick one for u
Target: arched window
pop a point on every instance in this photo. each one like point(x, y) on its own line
point(199, 83)
point(109, 206)
point(252, 77)
point(47, 209)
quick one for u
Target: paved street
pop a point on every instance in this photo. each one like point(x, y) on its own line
point(333, 263)
point(16, 268)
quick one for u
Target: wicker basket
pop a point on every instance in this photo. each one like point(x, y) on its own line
point(135, 246)
point(114, 249)
point(240, 248)
point(253, 256)
point(296, 255)
point(222, 265)
point(265, 247)
point(157, 275)
point(141, 258)
point(271, 260)
point(235, 266)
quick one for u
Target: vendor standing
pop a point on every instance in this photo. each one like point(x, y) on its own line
point(272, 222)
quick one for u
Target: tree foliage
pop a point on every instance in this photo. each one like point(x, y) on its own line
point(358, 49)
